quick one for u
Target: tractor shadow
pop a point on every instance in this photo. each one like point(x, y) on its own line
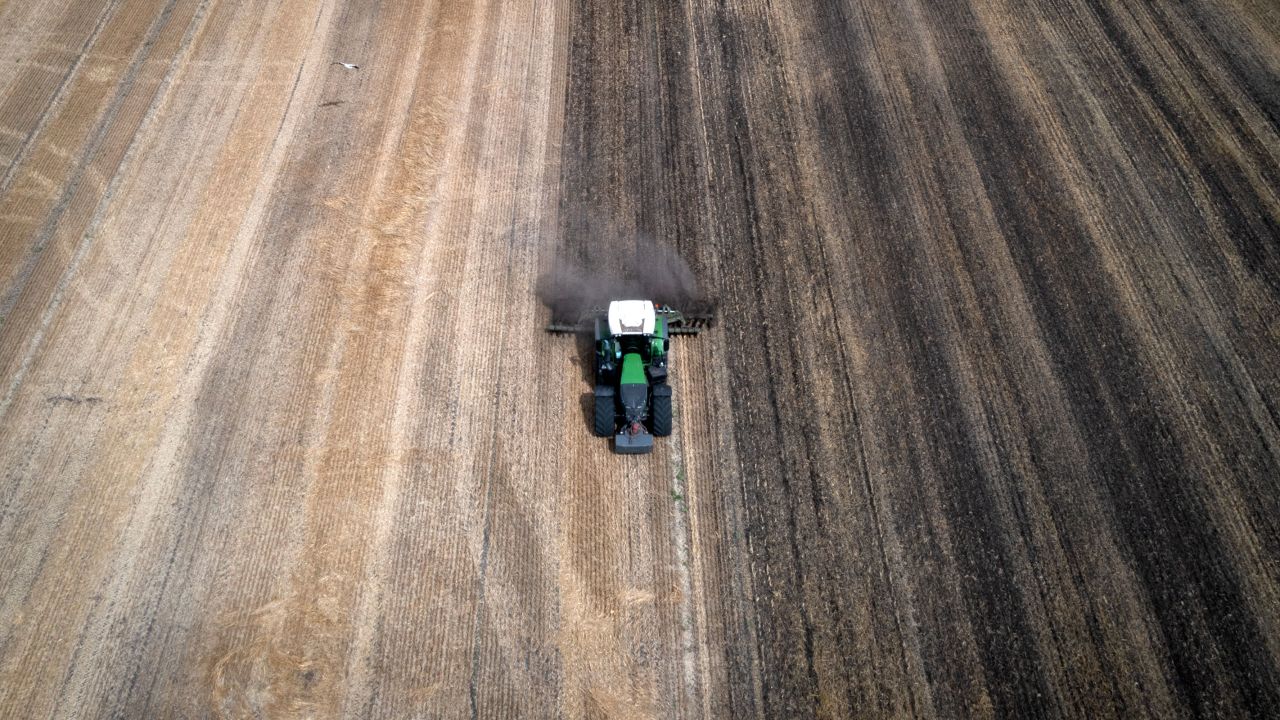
point(585, 358)
point(587, 402)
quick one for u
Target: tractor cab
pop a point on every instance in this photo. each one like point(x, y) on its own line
point(632, 327)
point(632, 317)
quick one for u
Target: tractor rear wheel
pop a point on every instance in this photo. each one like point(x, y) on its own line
point(660, 410)
point(606, 412)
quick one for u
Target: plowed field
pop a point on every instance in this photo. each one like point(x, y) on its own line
point(989, 425)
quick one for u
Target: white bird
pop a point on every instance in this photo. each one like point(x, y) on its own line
point(349, 66)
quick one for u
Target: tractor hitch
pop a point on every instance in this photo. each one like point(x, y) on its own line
point(633, 439)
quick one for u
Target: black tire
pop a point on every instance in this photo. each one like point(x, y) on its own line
point(606, 412)
point(660, 411)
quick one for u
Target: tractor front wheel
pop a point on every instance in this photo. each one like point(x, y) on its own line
point(660, 411)
point(606, 412)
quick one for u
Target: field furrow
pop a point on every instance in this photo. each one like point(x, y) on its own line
point(988, 424)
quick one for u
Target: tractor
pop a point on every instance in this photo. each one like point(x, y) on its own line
point(632, 399)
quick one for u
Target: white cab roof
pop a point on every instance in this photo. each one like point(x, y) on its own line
point(631, 317)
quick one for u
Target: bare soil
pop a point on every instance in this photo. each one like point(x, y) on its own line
point(989, 425)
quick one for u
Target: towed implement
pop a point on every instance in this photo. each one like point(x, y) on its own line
point(632, 398)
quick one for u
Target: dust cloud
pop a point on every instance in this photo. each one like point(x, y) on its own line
point(601, 263)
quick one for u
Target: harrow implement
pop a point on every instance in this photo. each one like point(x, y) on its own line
point(677, 323)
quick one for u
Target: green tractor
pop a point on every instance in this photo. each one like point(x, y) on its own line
point(632, 397)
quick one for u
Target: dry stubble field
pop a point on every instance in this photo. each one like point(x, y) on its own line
point(989, 427)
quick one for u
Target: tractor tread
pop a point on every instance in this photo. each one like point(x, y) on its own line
point(605, 411)
point(660, 410)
